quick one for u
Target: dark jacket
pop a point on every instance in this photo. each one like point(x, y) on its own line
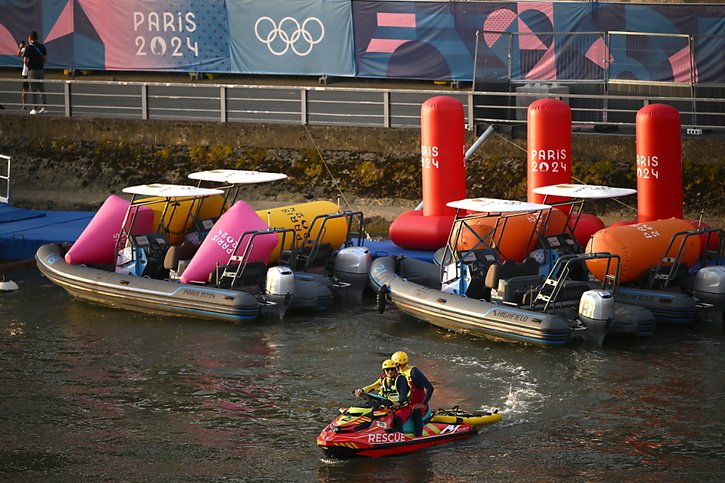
point(35, 55)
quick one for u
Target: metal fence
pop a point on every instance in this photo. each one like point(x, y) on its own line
point(613, 56)
point(600, 74)
point(525, 57)
point(658, 58)
point(591, 104)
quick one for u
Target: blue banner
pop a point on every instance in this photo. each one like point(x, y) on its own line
point(304, 37)
point(444, 40)
point(411, 40)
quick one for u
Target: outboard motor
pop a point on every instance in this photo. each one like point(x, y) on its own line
point(596, 311)
point(352, 266)
point(709, 287)
point(280, 289)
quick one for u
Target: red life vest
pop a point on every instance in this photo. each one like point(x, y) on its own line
point(417, 394)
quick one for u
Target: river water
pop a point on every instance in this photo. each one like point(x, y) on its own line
point(92, 393)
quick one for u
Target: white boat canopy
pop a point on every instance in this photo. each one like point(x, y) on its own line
point(583, 191)
point(236, 176)
point(171, 190)
point(493, 205)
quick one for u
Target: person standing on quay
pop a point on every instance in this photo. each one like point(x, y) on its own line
point(23, 74)
point(35, 57)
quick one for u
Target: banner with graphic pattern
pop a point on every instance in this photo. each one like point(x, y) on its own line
point(177, 35)
point(304, 37)
point(538, 40)
point(377, 39)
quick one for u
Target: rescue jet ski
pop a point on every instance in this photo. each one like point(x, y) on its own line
point(367, 431)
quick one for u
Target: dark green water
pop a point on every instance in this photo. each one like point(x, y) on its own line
point(90, 393)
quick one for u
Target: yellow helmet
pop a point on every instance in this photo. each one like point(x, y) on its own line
point(388, 364)
point(400, 358)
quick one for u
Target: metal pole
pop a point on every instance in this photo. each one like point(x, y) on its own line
point(691, 49)
point(144, 101)
point(475, 60)
point(386, 108)
point(223, 104)
point(478, 142)
point(66, 98)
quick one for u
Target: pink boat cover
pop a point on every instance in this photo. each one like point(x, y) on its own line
point(97, 242)
point(218, 245)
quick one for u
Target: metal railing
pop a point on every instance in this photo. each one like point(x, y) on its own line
point(5, 180)
point(592, 104)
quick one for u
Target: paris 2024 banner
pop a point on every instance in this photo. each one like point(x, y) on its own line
point(377, 39)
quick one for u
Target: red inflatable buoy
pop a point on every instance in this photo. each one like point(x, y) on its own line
point(442, 146)
point(442, 150)
point(413, 230)
point(586, 226)
point(659, 163)
point(548, 147)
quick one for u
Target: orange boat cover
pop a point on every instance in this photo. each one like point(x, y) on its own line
point(641, 246)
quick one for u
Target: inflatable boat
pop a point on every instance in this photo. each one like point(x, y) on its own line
point(473, 289)
point(661, 260)
point(366, 431)
point(143, 294)
point(328, 247)
point(148, 255)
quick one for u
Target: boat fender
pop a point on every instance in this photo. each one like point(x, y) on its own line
point(380, 298)
point(7, 285)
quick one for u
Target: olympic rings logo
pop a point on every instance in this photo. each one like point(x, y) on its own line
point(289, 34)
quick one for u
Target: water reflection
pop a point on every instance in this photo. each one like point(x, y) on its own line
point(116, 395)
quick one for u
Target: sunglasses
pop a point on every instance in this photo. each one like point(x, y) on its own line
point(390, 369)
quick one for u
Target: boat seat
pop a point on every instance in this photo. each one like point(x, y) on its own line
point(154, 246)
point(236, 275)
point(573, 290)
point(478, 261)
point(477, 289)
point(313, 256)
point(177, 253)
point(655, 279)
point(513, 290)
point(570, 293)
point(510, 269)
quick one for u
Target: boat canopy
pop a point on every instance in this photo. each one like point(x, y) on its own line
point(171, 191)
point(583, 191)
point(493, 205)
point(236, 176)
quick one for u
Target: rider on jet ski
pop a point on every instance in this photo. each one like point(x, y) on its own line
point(394, 386)
point(421, 389)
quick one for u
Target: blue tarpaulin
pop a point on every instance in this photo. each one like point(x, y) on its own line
point(23, 231)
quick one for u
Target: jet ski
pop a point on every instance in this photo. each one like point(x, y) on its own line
point(367, 431)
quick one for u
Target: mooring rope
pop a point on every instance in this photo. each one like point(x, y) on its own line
point(327, 168)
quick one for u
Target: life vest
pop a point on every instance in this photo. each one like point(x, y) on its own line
point(389, 389)
point(416, 394)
